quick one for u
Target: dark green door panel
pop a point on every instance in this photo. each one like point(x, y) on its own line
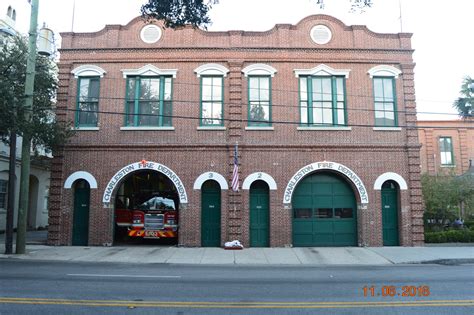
point(324, 212)
point(390, 214)
point(259, 215)
point(211, 214)
point(80, 228)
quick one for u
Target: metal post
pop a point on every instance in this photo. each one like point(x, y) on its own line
point(11, 195)
point(26, 144)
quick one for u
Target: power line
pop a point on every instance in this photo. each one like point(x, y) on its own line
point(255, 121)
point(191, 102)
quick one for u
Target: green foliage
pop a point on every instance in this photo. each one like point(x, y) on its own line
point(177, 13)
point(451, 236)
point(443, 197)
point(465, 103)
point(45, 131)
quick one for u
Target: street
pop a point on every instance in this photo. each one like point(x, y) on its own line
point(117, 288)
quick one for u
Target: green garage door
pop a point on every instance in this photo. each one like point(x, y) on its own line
point(324, 212)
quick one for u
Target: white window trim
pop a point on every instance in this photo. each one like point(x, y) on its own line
point(316, 128)
point(384, 71)
point(387, 128)
point(80, 175)
point(259, 128)
point(211, 128)
point(147, 128)
point(88, 71)
point(259, 69)
point(149, 70)
point(322, 70)
point(85, 128)
point(211, 69)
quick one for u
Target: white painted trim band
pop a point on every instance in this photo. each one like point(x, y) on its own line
point(259, 176)
point(390, 176)
point(80, 175)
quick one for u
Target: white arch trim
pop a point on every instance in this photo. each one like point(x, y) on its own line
point(259, 176)
point(211, 69)
point(210, 176)
point(144, 165)
point(259, 69)
point(88, 71)
point(325, 165)
point(80, 175)
point(384, 71)
point(322, 70)
point(390, 176)
point(149, 70)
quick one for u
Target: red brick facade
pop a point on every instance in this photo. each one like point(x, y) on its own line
point(462, 136)
point(279, 151)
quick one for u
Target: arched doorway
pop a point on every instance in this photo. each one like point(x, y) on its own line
point(80, 228)
point(324, 211)
point(211, 214)
point(259, 214)
point(146, 209)
point(390, 213)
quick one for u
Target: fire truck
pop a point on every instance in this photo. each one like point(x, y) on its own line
point(150, 217)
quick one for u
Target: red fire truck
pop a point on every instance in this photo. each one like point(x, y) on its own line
point(154, 218)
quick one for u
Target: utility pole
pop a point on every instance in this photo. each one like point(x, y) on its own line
point(11, 195)
point(26, 144)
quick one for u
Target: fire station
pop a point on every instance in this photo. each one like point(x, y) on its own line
point(317, 119)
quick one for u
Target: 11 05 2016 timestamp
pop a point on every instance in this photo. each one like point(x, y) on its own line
point(393, 291)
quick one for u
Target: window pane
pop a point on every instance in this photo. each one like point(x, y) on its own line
point(318, 114)
point(343, 213)
point(323, 213)
point(94, 90)
point(388, 107)
point(340, 117)
point(264, 89)
point(150, 89)
point(327, 115)
point(216, 89)
point(388, 90)
point(168, 85)
point(206, 89)
point(131, 88)
point(216, 112)
point(84, 89)
point(253, 89)
point(88, 113)
point(304, 112)
point(167, 112)
point(379, 106)
point(259, 111)
point(304, 213)
point(130, 110)
point(317, 89)
point(378, 90)
point(340, 89)
point(303, 89)
point(206, 113)
point(327, 89)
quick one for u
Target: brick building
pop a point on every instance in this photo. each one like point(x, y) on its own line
point(446, 146)
point(319, 111)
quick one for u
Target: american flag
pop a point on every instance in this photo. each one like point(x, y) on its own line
point(235, 172)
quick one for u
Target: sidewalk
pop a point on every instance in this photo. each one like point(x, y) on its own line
point(250, 256)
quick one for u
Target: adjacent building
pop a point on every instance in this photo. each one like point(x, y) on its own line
point(447, 146)
point(14, 17)
point(317, 119)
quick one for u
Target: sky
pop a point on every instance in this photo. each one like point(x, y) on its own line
point(442, 32)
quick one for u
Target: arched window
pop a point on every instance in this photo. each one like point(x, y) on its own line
point(9, 11)
point(14, 15)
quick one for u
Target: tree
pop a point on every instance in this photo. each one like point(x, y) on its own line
point(178, 13)
point(45, 131)
point(465, 103)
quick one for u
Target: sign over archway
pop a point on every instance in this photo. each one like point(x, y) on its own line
point(325, 165)
point(145, 165)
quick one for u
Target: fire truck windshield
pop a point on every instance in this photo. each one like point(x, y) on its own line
point(158, 203)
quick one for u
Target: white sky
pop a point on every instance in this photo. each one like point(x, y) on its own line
point(443, 32)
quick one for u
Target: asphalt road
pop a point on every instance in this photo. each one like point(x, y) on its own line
point(40, 287)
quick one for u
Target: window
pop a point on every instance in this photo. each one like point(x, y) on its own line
point(384, 99)
point(212, 103)
point(148, 101)
point(259, 101)
point(9, 11)
point(3, 194)
point(87, 102)
point(446, 151)
point(322, 100)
